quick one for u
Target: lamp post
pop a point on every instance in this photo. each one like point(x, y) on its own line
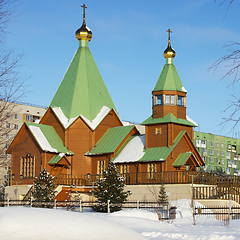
point(187, 168)
point(97, 178)
point(21, 178)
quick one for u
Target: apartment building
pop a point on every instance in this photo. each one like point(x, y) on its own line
point(220, 154)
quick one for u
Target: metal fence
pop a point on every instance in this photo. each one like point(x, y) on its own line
point(223, 213)
point(163, 211)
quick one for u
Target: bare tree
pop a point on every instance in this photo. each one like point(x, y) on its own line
point(232, 63)
point(11, 85)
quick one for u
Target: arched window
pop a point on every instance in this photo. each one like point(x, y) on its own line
point(28, 166)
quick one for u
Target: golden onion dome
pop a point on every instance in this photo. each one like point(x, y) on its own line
point(84, 33)
point(169, 52)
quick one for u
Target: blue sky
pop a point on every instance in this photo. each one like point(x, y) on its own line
point(129, 38)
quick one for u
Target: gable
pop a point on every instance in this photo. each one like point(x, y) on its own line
point(51, 119)
point(111, 140)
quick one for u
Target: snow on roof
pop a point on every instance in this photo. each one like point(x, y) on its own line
point(41, 139)
point(101, 115)
point(184, 89)
point(190, 120)
point(63, 119)
point(92, 124)
point(133, 151)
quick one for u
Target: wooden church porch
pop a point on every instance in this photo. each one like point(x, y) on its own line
point(168, 177)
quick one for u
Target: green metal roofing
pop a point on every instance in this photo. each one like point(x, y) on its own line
point(82, 90)
point(56, 159)
point(111, 140)
point(181, 159)
point(169, 80)
point(167, 119)
point(160, 153)
point(47, 138)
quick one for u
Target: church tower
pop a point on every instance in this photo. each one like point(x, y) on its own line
point(168, 106)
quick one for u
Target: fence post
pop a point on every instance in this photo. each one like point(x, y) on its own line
point(230, 209)
point(108, 206)
point(80, 205)
point(8, 202)
point(55, 204)
point(138, 204)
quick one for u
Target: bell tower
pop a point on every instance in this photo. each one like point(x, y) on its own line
point(169, 95)
point(168, 117)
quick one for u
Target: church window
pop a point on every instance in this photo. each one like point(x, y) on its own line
point(7, 135)
point(158, 131)
point(16, 116)
point(16, 126)
point(101, 167)
point(180, 101)
point(152, 170)
point(8, 115)
point(170, 99)
point(28, 166)
point(7, 125)
point(159, 99)
point(124, 169)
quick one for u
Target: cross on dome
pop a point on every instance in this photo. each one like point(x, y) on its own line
point(84, 13)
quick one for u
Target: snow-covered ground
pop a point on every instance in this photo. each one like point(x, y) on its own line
point(35, 223)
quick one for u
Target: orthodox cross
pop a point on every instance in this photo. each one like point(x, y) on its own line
point(84, 7)
point(169, 32)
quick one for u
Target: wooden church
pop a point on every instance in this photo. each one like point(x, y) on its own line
point(81, 130)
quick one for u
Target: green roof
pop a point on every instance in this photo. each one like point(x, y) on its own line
point(169, 80)
point(56, 159)
point(160, 153)
point(181, 159)
point(47, 138)
point(167, 119)
point(111, 140)
point(82, 90)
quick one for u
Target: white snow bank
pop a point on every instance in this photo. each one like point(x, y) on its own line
point(33, 224)
point(136, 213)
point(43, 142)
point(37, 224)
point(133, 151)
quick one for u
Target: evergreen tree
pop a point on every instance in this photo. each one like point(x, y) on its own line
point(110, 187)
point(162, 196)
point(44, 187)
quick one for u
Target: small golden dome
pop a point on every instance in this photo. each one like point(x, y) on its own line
point(169, 52)
point(84, 33)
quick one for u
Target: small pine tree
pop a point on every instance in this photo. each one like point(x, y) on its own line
point(110, 187)
point(44, 187)
point(162, 196)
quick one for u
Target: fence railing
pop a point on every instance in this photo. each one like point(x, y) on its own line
point(221, 191)
point(223, 213)
point(168, 177)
